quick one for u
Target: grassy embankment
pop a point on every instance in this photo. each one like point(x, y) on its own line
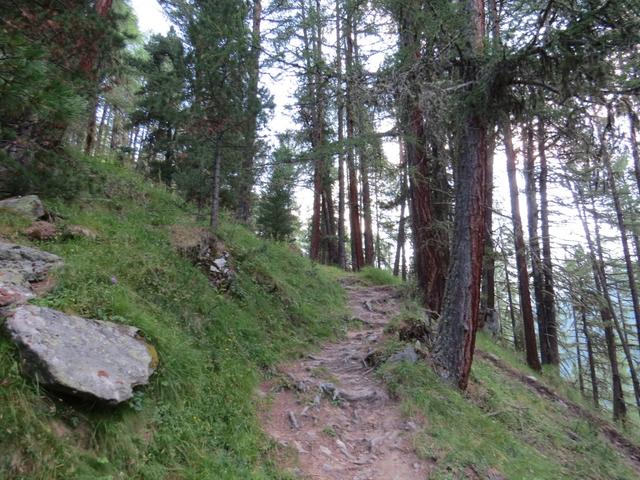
point(501, 425)
point(197, 419)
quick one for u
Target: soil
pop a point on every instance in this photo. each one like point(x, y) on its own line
point(335, 415)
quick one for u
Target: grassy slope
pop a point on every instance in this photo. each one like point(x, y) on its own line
point(197, 418)
point(501, 425)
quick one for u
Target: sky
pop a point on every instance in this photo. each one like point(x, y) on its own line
point(151, 18)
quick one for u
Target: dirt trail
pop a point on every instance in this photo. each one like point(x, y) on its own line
point(336, 415)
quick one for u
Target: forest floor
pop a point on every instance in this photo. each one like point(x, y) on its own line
point(333, 416)
point(336, 414)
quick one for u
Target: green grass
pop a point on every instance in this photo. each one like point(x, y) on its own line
point(197, 418)
point(499, 425)
point(376, 276)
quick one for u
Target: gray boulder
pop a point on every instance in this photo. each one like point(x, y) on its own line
point(408, 355)
point(24, 265)
point(29, 205)
point(87, 358)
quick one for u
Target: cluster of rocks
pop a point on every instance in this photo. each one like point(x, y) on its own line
point(43, 227)
point(206, 252)
point(86, 358)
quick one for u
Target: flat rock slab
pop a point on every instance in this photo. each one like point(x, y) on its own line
point(21, 265)
point(29, 205)
point(87, 358)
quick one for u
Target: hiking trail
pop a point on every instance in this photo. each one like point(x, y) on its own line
point(336, 415)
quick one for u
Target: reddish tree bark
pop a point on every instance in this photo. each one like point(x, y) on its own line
point(521, 259)
point(340, 101)
point(369, 250)
point(357, 252)
point(454, 347)
point(430, 237)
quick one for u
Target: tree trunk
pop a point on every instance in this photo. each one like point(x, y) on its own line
point(548, 291)
point(488, 297)
point(455, 344)
point(91, 125)
point(215, 186)
point(606, 313)
point(578, 353)
point(357, 252)
point(613, 188)
point(430, 238)
point(590, 357)
point(521, 260)
point(401, 223)
point(534, 243)
point(247, 175)
point(514, 327)
point(369, 250)
point(633, 125)
point(313, 91)
point(106, 111)
point(340, 105)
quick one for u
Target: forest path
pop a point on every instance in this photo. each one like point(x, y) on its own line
point(630, 450)
point(335, 414)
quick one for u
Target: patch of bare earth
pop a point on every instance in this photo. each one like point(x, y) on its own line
point(333, 413)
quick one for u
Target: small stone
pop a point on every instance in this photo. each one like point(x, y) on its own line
point(293, 420)
point(42, 231)
point(358, 394)
point(221, 263)
point(410, 426)
point(325, 450)
point(299, 447)
point(408, 355)
point(329, 389)
point(78, 231)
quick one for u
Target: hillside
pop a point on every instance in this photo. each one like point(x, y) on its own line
point(197, 418)
point(224, 354)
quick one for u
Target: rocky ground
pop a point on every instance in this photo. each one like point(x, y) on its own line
point(335, 414)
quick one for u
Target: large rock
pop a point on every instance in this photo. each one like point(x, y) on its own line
point(29, 205)
point(87, 358)
point(24, 266)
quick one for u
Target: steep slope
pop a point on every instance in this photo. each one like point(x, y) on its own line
point(197, 418)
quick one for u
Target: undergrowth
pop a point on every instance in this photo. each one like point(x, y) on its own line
point(197, 418)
